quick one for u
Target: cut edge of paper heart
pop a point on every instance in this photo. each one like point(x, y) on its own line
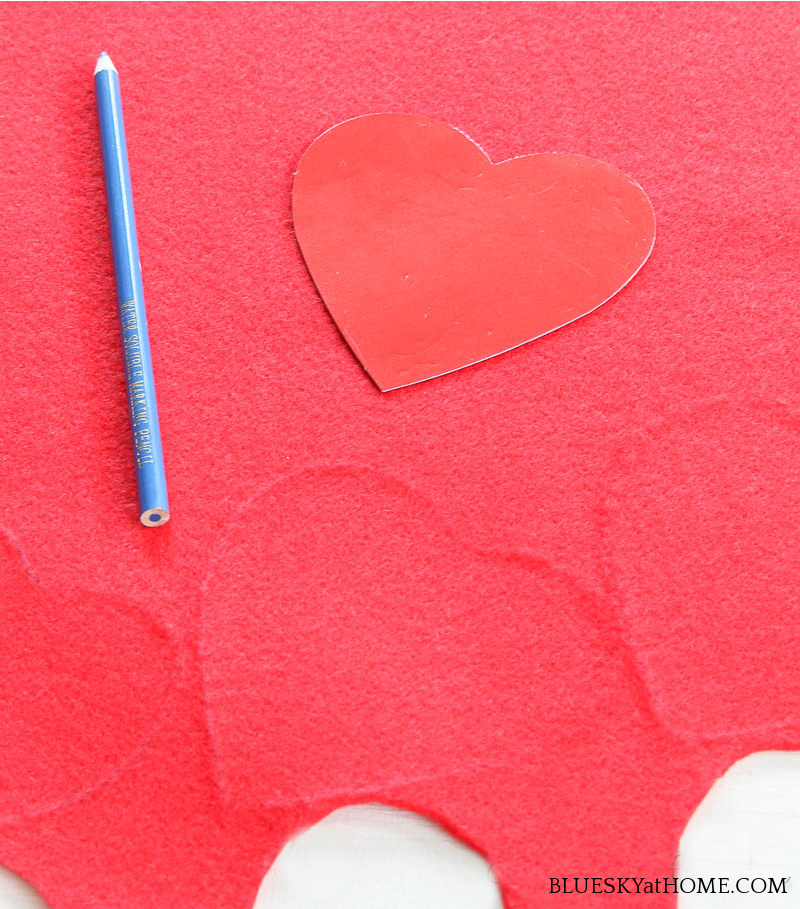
point(506, 350)
point(352, 342)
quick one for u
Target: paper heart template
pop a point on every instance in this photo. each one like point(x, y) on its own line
point(431, 258)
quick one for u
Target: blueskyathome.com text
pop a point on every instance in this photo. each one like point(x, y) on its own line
point(607, 885)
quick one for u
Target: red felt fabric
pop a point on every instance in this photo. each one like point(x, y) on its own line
point(546, 600)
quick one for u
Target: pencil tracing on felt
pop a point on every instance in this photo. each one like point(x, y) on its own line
point(150, 478)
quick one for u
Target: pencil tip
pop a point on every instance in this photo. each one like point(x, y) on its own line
point(104, 62)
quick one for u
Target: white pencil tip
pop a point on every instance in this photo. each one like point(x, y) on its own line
point(104, 62)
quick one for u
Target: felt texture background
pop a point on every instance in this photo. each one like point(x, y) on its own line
point(547, 600)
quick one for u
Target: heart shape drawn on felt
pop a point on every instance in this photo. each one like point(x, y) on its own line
point(431, 258)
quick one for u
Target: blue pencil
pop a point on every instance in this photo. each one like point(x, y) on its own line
point(150, 478)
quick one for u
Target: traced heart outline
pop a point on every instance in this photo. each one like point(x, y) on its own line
point(339, 178)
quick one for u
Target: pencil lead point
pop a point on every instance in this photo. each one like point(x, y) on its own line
point(104, 62)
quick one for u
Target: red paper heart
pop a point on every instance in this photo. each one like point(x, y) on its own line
point(430, 258)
